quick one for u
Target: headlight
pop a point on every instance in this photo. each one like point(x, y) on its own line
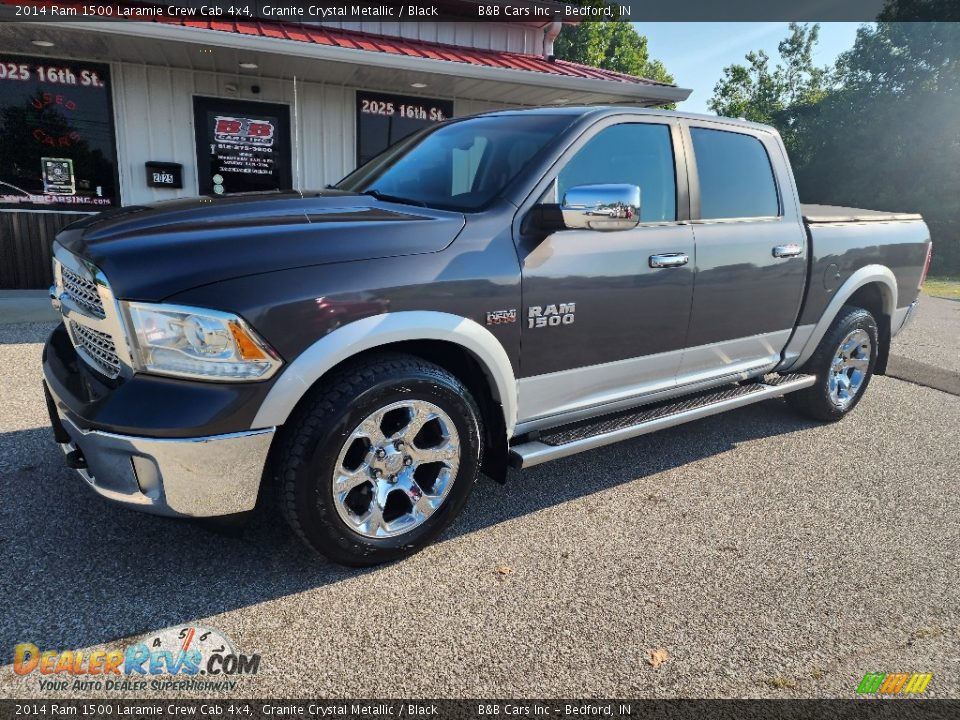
point(198, 343)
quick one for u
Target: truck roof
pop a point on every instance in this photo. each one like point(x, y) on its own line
point(603, 110)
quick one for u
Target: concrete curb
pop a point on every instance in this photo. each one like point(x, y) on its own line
point(23, 306)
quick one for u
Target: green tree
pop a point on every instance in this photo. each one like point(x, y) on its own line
point(611, 45)
point(782, 95)
point(887, 137)
point(877, 131)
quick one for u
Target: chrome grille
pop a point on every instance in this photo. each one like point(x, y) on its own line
point(83, 292)
point(96, 348)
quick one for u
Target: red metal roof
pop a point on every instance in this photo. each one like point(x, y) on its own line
point(320, 35)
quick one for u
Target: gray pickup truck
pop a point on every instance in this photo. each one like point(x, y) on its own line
point(504, 289)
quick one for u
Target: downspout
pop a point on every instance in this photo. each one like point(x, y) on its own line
point(549, 35)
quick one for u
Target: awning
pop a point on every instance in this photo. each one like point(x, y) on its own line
point(325, 54)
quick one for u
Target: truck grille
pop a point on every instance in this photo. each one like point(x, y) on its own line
point(91, 314)
point(96, 348)
point(83, 292)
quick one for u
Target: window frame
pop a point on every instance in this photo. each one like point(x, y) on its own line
point(770, 147)
point(679, 163)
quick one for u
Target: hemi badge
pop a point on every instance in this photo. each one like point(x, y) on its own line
point(501, 317)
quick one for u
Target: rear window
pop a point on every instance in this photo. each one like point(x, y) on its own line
point(736, 180)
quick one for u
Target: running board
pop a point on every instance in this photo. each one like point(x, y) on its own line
point(565, 440)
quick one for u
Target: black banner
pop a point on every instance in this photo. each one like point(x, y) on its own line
point(521, 11)
point(484, 709)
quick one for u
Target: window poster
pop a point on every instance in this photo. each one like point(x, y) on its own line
point(241, 146)
point(57, 146)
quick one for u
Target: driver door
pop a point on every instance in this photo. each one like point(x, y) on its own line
point(602, 324)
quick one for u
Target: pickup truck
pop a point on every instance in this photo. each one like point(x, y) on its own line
point(493, 291)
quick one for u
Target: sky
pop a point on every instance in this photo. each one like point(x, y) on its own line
point(696, 53)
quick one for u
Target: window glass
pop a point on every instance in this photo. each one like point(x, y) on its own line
point(736, 180)
point(57, 149)
point(633, 153)
point(383, 120)
point(460, 166)
point(466, 163)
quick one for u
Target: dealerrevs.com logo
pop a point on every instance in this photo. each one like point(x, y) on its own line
point(177, 658)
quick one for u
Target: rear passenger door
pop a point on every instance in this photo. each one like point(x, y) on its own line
point(751, 251)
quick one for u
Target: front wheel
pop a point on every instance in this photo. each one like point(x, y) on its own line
point(843, 363)
point(380, 459)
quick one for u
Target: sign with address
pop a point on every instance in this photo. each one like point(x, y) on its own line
point(57, 149)
point(164, 174)
point(383, 119)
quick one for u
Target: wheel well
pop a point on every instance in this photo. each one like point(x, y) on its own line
point(463, 365)
point(870, 297)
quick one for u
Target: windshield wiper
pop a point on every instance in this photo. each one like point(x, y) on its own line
point(392, 198)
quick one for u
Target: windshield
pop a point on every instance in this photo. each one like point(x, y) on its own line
point(460, 166)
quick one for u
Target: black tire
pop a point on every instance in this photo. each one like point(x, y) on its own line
point(319, 430)
point(816, 401)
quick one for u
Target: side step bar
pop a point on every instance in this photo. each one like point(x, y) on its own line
point(559, 442)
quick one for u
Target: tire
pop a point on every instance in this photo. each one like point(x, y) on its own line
point(851, 344)
point(390, 500)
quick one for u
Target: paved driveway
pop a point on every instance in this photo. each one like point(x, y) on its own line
point(766, 555)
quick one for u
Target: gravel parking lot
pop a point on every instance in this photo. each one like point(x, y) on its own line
point(766, 555)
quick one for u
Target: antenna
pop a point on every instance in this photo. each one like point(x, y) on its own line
point(296, 137)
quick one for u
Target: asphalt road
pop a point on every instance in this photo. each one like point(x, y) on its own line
point(767, 555)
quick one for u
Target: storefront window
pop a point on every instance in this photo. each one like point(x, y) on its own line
point(241, 146)
point(57, 148)
point(383, 120)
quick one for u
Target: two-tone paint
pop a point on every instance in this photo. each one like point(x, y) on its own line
point(325, 276)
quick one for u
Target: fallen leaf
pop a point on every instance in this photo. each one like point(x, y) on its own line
point(657, 656)
point(504, 570)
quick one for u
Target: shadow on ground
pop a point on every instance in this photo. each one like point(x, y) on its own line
point(78, 571)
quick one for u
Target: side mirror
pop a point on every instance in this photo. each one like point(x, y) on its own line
point(601, 207)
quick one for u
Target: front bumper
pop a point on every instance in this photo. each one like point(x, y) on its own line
point(182, 477)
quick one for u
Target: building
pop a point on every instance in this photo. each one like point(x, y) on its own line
point(98, 115)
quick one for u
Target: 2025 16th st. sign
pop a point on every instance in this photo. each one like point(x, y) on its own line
point(56, 135)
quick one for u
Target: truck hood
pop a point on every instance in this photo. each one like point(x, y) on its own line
point(153, 251)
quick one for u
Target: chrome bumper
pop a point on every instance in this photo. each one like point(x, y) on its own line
point(189, 477)
point(902, 317)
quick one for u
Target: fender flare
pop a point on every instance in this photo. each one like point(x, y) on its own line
point(377, 331)
point(866, 275)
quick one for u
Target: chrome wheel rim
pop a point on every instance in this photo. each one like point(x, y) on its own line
point(396, 469)
point(849, 368)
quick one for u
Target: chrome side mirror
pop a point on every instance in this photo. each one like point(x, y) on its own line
point(601, 207)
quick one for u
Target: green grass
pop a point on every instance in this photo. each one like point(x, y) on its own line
point(943, 287)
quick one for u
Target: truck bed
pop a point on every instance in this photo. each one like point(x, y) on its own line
point(834, 214)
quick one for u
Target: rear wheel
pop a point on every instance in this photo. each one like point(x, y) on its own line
point(380, 460)
point(843, 364)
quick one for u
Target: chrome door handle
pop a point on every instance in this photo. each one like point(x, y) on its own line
point(669, 260)
point(784, 251)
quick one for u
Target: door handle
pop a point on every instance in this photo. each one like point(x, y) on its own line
point(668, 260)
point(785, 251)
